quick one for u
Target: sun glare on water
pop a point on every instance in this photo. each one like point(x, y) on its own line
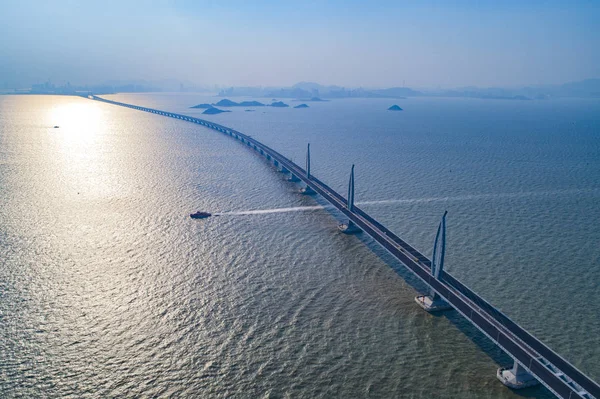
point(77, 121)
point(77, 148)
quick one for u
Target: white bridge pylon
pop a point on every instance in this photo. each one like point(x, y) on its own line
point(307, 190)
point(350, 227)
point(433, 302)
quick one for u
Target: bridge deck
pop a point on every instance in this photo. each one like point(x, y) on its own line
point(558, 375)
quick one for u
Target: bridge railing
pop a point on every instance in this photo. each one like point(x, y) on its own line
point(420, 265)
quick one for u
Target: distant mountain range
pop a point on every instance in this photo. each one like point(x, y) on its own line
point(310, 91)
point(112, 86)
point(314, 92)
point(589, 88)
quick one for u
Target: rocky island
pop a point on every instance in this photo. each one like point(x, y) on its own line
point(213, 111)
point(301, 106)
point(251, 104)
point(312, 99)
point(228, 103)
point(394, 108)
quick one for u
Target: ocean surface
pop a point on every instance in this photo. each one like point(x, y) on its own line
point(109, 289)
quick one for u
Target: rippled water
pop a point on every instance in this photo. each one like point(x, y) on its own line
point(109, 289)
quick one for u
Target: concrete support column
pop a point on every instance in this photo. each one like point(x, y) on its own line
point(516, 377)
point(307, 191)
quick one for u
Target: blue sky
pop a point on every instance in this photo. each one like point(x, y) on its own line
point(350, 43)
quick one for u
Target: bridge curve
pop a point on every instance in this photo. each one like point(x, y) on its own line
point(553, 371)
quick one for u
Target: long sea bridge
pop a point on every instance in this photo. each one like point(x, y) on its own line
point(533, 361)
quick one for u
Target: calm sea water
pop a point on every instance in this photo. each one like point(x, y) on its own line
point(109, 289)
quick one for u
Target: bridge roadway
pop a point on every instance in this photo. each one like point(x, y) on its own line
point(557, 374)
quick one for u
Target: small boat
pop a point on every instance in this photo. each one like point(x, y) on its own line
point(200, 215)
point(56, 127)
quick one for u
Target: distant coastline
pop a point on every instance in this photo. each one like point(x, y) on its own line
point(314, 92)
point(309, 91)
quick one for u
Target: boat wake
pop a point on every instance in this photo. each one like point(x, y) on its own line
point(470, 197)
point(273, 210)
point(474, 197)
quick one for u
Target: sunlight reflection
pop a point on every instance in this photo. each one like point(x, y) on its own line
point(77, 121)
point(78, 133)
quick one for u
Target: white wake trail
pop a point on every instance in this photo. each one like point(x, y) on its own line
point(469, 197)
point(273, 210)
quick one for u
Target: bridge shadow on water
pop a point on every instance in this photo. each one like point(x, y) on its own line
point(463, 325)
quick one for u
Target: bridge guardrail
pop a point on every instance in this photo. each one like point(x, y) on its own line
point(508, 335)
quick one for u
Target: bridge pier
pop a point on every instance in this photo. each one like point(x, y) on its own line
point(433, 302)
point(516, 377)
point(307, 191)
point(293, 178)
point(349, 228)
point(283, 169)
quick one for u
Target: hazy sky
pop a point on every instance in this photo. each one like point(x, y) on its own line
point(349, 43)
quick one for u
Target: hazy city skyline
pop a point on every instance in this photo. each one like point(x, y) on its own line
point(353, 44)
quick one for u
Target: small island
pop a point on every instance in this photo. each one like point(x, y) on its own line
point(226, 103)
point(213, 111)
point(251, 104)
point(394, 108)
point(312, 99)
point(301, 106)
